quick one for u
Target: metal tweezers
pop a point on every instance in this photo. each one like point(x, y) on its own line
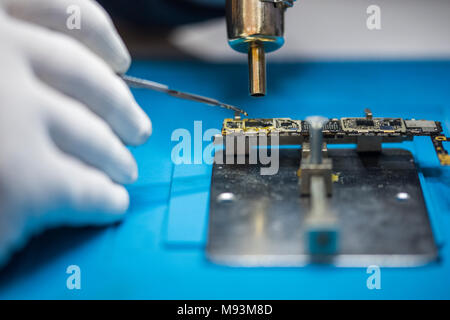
point(147, 84)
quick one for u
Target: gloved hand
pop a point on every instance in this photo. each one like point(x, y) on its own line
point(64, 119)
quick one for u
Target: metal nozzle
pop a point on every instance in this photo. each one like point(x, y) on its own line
point(256, 27)
point(257, 69)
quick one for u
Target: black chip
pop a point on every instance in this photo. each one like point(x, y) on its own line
point(395, 122)
point(233, 125)
point(333, 126)
point(365, 122)
point(288, 124)
point(258, 124)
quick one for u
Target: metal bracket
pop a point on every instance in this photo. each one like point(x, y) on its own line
point(321, 223)
point(321, 231)
point(369, 144)
point(257, 220)
point(306, 150)
point(307, 170)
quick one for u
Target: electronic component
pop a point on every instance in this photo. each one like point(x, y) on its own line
point(251, 126)
point(422, 126)
point(331, 127)
point(442, 154)
point(344, 130)
point(320, 196)
point(373, 125)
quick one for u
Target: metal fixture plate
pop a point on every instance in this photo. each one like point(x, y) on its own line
point(261, 223)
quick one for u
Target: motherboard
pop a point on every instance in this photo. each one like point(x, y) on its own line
point(343, 131)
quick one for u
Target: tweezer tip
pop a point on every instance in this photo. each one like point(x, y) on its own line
point(228, 106)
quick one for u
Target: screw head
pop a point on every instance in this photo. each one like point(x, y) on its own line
point(226, 197)
point(403, 196)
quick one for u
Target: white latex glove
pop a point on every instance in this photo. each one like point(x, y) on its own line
point(64, 119)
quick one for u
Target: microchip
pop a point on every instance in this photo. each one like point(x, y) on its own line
point(259, 123)
point(331, 126)
point(378, 126)
point(395, 122)
point(422, 125)
point(233, 125)
point(287, 125)
point(364, 123)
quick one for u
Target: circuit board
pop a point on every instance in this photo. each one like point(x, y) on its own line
point(344, 130)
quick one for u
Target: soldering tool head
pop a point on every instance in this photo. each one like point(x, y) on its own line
point(256, 27)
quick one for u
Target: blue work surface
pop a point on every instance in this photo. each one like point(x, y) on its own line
point(158, 251)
